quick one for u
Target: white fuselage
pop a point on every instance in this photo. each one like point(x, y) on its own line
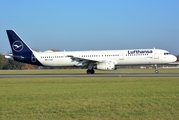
point(118, 57)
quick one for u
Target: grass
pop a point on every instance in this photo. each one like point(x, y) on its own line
point(89, 98)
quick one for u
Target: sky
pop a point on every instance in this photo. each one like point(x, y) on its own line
point(74, 25)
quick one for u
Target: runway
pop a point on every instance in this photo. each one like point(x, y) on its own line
point(90, 75)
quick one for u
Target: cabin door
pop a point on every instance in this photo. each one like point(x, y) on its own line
point(156, 54)
point(121, 56)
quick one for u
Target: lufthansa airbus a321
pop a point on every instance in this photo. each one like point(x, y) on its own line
point(98, 59)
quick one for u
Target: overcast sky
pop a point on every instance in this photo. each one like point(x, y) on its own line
point(91, 24)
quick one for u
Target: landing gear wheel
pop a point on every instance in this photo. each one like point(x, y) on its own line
point(90, 71)
point(156, 71)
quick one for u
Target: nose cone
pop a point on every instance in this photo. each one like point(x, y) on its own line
point(173, 58)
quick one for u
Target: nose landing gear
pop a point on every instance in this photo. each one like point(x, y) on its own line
point(156, 69)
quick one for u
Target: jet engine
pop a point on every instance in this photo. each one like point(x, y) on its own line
point(106, 66)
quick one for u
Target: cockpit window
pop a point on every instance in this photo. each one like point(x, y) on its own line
point(166, 53)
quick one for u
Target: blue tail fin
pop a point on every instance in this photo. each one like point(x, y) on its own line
point(18, 46)
point(20, 50)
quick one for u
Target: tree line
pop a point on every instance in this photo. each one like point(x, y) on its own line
point(6, 64)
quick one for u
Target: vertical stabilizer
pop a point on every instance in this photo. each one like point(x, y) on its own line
point(21, 52)
point(18, 46)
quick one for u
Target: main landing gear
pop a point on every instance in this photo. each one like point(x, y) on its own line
point(156, 69)
point(90, 71)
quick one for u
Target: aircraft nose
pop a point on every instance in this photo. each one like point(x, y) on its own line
point(174, 58)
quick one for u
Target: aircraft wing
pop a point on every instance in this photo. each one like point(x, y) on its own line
point(82, 61)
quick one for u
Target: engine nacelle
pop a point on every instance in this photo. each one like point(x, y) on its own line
point(106, 66)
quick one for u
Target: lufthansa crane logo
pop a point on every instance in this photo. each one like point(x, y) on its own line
point(17, 46)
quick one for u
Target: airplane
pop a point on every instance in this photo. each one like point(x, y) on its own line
point(98, 59)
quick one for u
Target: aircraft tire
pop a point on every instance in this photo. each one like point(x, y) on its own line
point(90, 71)
point(156, 71)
